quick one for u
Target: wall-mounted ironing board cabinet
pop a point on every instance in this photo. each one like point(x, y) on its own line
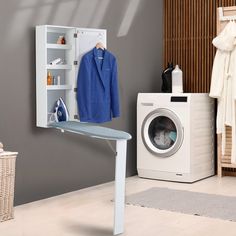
point(78, 42)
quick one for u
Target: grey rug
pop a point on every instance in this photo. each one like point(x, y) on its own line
point(194, 203)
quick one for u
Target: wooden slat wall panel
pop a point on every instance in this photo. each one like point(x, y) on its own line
point(189, 27)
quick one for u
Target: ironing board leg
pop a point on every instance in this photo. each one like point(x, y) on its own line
point(121, 146)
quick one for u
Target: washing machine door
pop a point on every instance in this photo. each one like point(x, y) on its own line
point(162, 132)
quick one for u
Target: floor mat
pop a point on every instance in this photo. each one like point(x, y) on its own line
point(194, 203)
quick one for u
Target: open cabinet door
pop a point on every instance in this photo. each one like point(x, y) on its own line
point(70, 74)
point(86, 40)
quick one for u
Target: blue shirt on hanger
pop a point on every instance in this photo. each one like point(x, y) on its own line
point(97, 87)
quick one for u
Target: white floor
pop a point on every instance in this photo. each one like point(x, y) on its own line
point(89, 212)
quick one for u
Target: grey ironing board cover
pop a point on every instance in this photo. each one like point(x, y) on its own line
point(91, 130)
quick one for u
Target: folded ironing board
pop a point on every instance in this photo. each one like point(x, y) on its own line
point(121, 138)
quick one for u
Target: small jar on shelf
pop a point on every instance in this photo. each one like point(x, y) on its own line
point(61, 40)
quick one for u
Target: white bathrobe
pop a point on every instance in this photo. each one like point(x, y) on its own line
point(223, 83)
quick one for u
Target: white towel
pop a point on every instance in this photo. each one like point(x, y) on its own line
point(1, 150)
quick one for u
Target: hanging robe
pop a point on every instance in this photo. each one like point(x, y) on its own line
point(223, 84)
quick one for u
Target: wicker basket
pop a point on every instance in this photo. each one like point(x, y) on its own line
point(7, 181)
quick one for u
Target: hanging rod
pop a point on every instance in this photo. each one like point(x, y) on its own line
point(225, 18)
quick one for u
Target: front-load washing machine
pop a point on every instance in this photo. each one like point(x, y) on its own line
point(175, 136)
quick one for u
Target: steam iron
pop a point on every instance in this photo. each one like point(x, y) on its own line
point(60, 111)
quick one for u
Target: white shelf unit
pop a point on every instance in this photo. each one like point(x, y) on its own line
point(46, 51)
point(78, 42)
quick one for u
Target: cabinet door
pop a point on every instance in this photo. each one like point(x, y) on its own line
point(86, 40)
point(70, 74)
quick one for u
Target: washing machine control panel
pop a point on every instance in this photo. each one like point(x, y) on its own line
point(178, 99)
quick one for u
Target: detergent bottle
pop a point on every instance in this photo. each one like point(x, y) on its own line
point(177, 80)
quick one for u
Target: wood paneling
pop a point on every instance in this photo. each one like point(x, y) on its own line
point(189, 27)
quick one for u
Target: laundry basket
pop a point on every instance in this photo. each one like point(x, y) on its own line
point(7, 181)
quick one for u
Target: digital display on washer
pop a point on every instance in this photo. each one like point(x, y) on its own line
point(178, 99)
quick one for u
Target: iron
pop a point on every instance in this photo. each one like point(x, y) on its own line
point(60, 111)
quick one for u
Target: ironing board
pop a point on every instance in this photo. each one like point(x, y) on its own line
point(121, 138)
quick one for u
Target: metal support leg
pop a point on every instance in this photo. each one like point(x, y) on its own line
point(121, 146)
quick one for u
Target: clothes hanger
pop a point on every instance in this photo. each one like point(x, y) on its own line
point(222, 17)
point(99, 45)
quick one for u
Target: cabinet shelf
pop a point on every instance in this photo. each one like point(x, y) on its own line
point(59, 29)
point(59, 87)
point(59, 46)
point(59, 67)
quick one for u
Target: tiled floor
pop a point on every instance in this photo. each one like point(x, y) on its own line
point(89, 212)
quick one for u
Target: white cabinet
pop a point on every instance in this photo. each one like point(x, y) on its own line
point(78, 41)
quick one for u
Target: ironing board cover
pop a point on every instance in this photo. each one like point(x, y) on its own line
point(91, 130)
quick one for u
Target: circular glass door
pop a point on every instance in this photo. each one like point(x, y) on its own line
point(162, 132)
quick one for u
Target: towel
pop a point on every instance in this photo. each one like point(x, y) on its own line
point(162, 139)
point(173, 136)
point(1, 150)
point(1, 145)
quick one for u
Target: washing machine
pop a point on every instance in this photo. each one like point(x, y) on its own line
point(175, 136)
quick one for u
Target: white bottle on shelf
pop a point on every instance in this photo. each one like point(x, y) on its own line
point(177, 80)
point(58, 80)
